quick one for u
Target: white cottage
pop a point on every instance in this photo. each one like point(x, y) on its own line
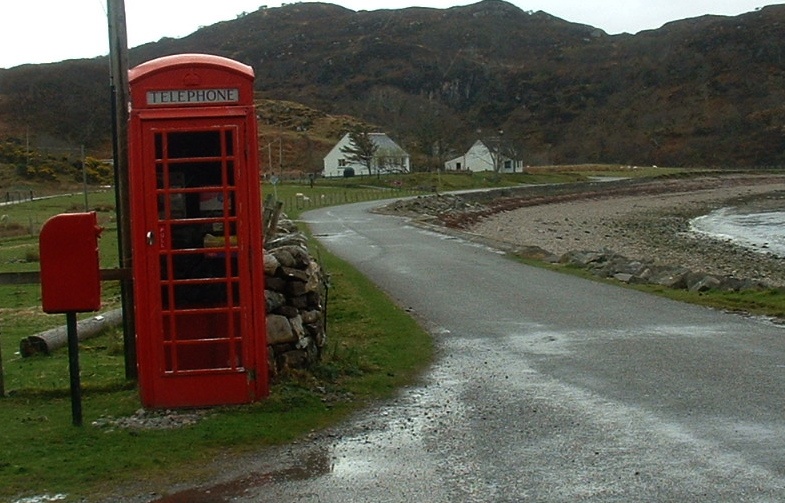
point(481, 158)
point(389, 158)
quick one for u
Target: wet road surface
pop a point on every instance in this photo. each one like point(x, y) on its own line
point(546, 388)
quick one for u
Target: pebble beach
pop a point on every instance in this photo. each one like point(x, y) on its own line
point(653, 227)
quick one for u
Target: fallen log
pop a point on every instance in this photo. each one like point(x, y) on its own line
point(49, 340)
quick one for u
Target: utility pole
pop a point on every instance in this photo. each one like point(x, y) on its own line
point(84, 179)
point(118, 56)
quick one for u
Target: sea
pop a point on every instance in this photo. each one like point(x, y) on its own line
point(762, 231)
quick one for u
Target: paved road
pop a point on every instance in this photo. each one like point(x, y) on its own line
point(546, 388)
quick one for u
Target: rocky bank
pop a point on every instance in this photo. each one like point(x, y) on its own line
point(632, 230)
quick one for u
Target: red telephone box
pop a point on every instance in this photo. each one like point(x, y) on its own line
point(196, 228)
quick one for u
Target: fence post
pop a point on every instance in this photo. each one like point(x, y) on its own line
point(2, 378)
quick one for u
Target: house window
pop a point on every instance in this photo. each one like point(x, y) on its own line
point(341, 163)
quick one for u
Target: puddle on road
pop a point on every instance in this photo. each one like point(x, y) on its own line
point(360, 455)
point(313, 465)
point(43, 498)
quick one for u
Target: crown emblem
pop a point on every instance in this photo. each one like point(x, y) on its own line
point(191, 79)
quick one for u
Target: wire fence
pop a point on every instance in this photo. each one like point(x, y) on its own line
point(299, 202)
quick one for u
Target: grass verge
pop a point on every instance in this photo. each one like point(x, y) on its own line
point(769, 303)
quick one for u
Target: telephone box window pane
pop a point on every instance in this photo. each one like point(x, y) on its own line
point(159, 145)
point(235, 295)
point(211, 204)
point(207, 295)
point(174, 180)
point(204, 341)
point(229, 143)
point(202, 174)
point(192, 144)
point(176, 207)
point(190, 175)
point(230, 173)
point(188, 236)
point(207, 356)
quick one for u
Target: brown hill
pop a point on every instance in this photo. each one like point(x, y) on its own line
point(704, 91)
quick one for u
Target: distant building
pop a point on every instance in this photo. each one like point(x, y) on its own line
point(389, 158)
point(480, 157)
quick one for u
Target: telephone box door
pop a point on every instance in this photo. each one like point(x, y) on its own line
point(194, 286)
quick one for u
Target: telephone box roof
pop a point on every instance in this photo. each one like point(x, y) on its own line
point(168, 63)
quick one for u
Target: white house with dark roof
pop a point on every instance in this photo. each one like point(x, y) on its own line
point(389, 158)
point(480, 157)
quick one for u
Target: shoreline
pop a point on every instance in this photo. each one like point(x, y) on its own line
point(650, 227)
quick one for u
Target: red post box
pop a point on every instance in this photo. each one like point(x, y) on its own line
point(197, 233)
point(70, 270)
point(71, 281)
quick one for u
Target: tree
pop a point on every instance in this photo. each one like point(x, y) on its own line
point(494, 144)
point(361, 149)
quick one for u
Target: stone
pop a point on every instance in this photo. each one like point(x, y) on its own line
point(288, 311)
point(271, 264)
point(314, 316)
point(275, 284)
point(291, 238)
point(292, 359)
point(623, 277)
point(284, 257)
point(296, 288)
point(279, 330)
point(704, 284)
point(582, 258)
point(297, 327)
point(294, 273)
point(295, 256)
point(273, 300)
point(671, 279)
point(314, 282)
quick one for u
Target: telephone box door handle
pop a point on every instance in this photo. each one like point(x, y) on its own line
point(150, 238)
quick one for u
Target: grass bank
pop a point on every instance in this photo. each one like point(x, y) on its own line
point(768, 303)
point(373, 349)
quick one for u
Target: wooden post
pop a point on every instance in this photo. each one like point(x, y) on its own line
point(73, 370)
point(2, 378)
point(118, 55)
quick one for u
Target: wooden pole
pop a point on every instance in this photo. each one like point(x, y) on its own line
point(73, 370)
point(118, 55)
point(2, 378)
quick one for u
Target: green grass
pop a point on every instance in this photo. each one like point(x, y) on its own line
point(769, 303)
point(22, 223)
point(373, 348)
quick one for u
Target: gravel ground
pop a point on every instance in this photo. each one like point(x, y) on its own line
point(646, 227)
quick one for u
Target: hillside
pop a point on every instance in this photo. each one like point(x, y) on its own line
point(703, 91)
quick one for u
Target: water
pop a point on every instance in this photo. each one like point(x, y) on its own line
point(760, 231)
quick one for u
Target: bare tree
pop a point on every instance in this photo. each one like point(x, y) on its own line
point(361, 149)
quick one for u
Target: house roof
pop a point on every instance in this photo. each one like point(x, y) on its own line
point(385, 144)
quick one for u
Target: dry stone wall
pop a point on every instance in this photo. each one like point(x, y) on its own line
point(295, 293)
